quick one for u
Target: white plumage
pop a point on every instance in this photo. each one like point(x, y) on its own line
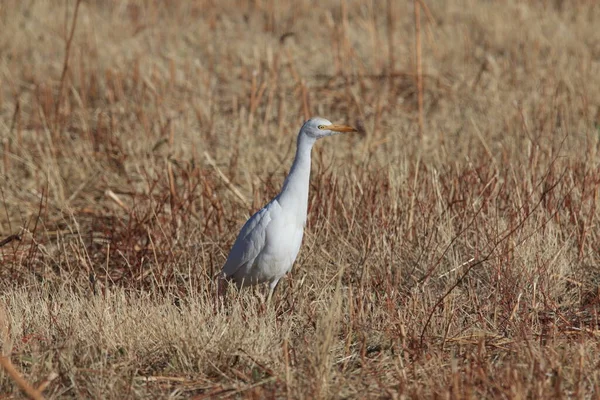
point(269, 242)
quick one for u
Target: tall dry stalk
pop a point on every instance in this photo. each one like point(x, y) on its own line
point(63, 75)
point(391, 24)
point(419, 65)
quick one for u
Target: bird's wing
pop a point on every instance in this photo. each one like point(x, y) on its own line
point(251, 239)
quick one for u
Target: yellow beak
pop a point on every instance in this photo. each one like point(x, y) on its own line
point(341, 128)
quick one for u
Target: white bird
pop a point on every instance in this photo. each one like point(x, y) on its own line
point(268, 243)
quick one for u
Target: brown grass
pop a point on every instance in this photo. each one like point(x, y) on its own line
point(462, 264)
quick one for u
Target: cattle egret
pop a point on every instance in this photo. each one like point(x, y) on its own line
point(269, 241)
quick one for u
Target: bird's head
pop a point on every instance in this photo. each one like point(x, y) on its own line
point(320, 127)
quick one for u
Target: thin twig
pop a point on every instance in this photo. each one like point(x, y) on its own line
point(9, 239)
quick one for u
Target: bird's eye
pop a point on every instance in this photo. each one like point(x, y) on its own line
point(321, 127)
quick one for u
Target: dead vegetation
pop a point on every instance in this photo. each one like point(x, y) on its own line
point(451, 252)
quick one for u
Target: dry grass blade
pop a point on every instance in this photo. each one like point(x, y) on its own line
point(19, 380)
point(227, 182)
point(46, 382)
point(109, 193)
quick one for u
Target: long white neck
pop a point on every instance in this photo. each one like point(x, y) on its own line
point(294, 194)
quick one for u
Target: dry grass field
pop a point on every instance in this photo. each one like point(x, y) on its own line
point(449, 253)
